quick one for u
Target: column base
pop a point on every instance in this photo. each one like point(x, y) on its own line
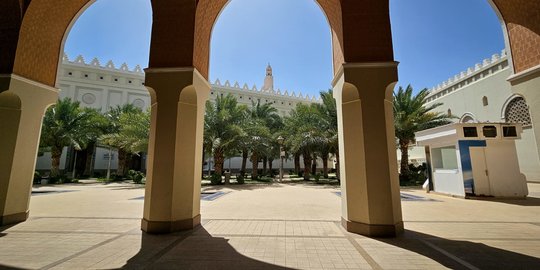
point(372, 230)
point(163, 227)
point(13, 218)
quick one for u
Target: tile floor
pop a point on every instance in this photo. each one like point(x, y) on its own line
point(96, 226)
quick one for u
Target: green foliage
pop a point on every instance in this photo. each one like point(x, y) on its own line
point(415, 176)
point(61, 179)
point(136, 176)
point(265, 179)
point(240, 179)
point(317, 177)
point(412, 115)
point(222, 128)
point(215, 179)
point(67, 124)
point(128, 129)
point(37, 177)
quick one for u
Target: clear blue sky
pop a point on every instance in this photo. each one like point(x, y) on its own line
point(433, 39)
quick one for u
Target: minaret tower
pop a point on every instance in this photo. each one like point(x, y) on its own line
point(268, 80)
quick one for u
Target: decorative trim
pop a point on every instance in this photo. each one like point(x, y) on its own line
point(361, 65)
point(29, 81)
point(529, 72)
point(468, 114)
point(169, 70)
point(496, 59)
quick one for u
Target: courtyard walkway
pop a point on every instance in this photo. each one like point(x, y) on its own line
point(279, 226)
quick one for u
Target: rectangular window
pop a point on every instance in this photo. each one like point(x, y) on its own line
point(489, 131)
point(444, 158)
point(470, 132)
point(509, 132)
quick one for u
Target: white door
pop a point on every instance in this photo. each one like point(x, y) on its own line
point(480, 172)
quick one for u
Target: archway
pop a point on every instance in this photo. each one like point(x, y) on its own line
point(364, 58)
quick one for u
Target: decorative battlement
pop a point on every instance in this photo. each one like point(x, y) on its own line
point(456, 82)
point(95, 63)
point(285, 93)
point(124, 68)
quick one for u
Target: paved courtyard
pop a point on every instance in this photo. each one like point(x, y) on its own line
point(279, 226)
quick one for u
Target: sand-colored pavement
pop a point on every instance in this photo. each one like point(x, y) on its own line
point(278, 226)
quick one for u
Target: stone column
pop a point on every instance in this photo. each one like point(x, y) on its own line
point(527, 84)
point(22, 105)
point(172, 197)
point(368, 164)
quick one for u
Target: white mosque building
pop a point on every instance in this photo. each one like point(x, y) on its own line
point(479, 94)
point(482, 94)
point(106, 86)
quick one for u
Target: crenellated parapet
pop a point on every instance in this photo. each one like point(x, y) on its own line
point(275, 93)
point(95, 63)
point(488, 66)
point(135, 76)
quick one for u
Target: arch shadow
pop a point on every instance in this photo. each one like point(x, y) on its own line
point(461, 254)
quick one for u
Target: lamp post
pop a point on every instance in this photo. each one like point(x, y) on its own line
point(281, 155)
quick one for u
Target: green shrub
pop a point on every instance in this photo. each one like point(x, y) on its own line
point(37, 177)
point(136, 176)
point(317, 177)
point(215, 179)
point(265, 179)
point(240, 179)
point(116, 177)
point(61, 179)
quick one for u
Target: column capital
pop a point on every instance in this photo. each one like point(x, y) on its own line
point(168, 83)
point(357, 81)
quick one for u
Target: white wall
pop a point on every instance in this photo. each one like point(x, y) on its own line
point(489, 81)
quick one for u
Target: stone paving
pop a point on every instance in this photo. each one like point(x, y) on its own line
point(279, 226)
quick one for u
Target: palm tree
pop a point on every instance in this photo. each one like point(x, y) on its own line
point(267, 115)
point(258, 138)
point(412, 115)
point(67, 124)
point(127, 131)
point(304, 134)
point(329, 125)
point(222, 128)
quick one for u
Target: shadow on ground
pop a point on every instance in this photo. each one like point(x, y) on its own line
point(196, 249)
point(529, 201)
point(461, 254)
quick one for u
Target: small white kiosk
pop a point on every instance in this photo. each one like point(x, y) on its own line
point(477, 159)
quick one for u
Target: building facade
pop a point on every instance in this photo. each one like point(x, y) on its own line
point(102, 87)
point(483, 94)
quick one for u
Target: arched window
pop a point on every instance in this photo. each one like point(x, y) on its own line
point(449, 112)
point(517, 111)
point(467, 119)
point(485, 101)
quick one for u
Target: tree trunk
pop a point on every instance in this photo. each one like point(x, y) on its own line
point(404, 148)
point(89, 167)
point(270, 161)
point(307, 165)
point(219, 160)
point(296, 163)
point(255, 166)
point(122, 163)
point(325, 165)
point(56, 154)
point(314, 165)
point(265, 165)
point(244, 162)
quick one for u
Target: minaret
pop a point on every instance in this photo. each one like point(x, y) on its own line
point(268, 80)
